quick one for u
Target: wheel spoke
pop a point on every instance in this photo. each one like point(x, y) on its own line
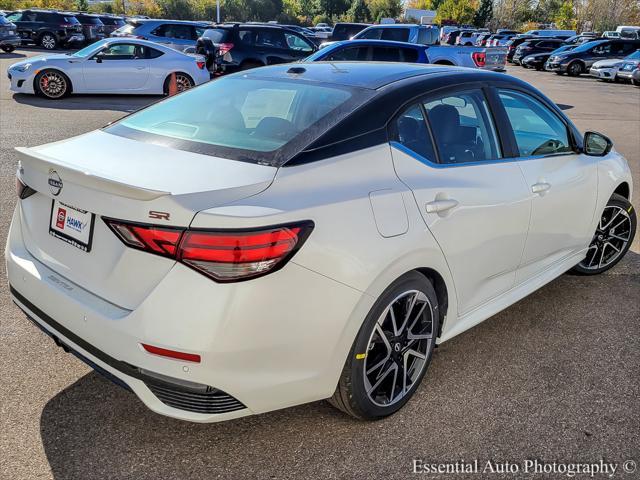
point(618, 237)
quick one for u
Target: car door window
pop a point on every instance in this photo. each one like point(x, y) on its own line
point(538, 131)
point(395, 34)
point(359, 54)
point(601, 50)
point(462, 127)
point(246, 37)
point(294, 42)
point(412, 132)
point(123, 51)
point(180, 32)
point(270, 38)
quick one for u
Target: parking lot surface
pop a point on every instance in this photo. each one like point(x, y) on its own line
point(554, 377)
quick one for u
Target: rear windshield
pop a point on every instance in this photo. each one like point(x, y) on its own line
point(90, 20)
point(216, 35)
point(256, 120)
point(70, 20)
point(112, 21)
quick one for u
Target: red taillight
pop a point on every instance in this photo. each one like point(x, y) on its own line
point(480, 58)
point(201, 65)
point(223, 48)
point(163, 352)
point(225, 256)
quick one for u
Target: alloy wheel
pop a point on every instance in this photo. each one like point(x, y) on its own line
point(48, 42)
point(52, 84)
point(183, 82)
point(398, 348)
point(610, 240)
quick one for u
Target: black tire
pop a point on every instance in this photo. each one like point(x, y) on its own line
point(636, 82)
point(8, 48)
point(539, 68)
point(184, 82)
point(249, 64)
point(618, 215)
point(57, 85)
point(575, 69)
point(351, 395)
point(559, 73)
point(48, 41)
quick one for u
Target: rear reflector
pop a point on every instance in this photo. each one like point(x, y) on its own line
point(163, 352)
point(223, 255)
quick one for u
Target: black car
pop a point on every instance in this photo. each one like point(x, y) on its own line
point(111, 24)
point(230, 48)
point(344, 31)
point(48, 28)
point(514, 43)
point(531, 47)
point(92, 27)
point(580, 59)
point(9, 40)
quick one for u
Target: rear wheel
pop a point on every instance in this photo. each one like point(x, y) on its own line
point(48, 41)
point(574, 69)
point(8, 48)
point(612, 239)
point(52, 84)
point(183, 82)
point(391, 352)
point(636, 82)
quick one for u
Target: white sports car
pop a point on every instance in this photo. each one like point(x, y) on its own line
point(113, 65)
point(307, 231)
point(605, 69)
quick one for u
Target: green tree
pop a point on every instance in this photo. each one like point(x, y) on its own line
point(460, 11)
point(566, 18)
point(420, 4)
point(359, 12)
point(484, 14)
point(384, 9)
point(82, 5)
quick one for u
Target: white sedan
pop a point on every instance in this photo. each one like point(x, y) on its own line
point(300, 232)
point(114, 65)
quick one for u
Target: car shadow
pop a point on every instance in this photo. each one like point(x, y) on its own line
point(489, 387)
point(5, 56)
point(122, 103)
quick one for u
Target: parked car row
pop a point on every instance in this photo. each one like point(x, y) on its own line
point(604, 58)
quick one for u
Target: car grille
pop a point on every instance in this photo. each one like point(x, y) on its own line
point(207, 400)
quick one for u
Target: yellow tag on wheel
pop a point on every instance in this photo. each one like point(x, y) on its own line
point(360, 356)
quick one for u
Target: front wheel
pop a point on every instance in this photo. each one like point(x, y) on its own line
point(52, 84)
point(613, 237)
point(391, 352)
point(636, 82)
point(574, 69)
point(8, 48)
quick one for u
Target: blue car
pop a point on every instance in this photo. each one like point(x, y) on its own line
point(371, 51)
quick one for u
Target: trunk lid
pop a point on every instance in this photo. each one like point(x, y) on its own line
point(112, 176)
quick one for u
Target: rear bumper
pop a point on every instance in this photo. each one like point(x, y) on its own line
point(265, 344)
point(14, 41)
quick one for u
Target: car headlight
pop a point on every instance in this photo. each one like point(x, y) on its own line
point(21, 68)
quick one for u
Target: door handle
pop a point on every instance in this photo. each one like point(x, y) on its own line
point(438, 206)
point(140, 68)
point(540, 187)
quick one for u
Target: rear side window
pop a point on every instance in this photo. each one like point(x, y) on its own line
point(153, 53)
point(216, 35)
point(537, 129)
point(462, 127)
point(270, 38)
point(395, 34)
point(412, 133)
point(427, 36)
point(294, 42)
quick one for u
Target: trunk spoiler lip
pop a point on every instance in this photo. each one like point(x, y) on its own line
point(46, 163)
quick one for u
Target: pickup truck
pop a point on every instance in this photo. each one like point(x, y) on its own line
point(491, 58)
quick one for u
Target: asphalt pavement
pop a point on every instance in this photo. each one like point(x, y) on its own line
point(555, 377)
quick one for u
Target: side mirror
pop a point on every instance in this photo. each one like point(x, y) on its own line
point(189, 50)
point(596, 144)
point(99, 57)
